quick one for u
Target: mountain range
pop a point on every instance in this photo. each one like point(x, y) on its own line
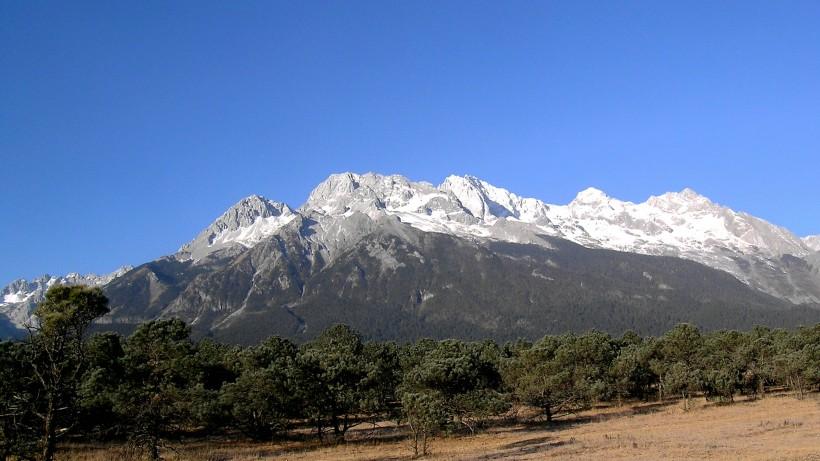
point(400, 259)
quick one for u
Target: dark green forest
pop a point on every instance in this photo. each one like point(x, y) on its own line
point(158, 385)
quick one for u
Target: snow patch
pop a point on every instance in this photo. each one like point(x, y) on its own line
point(248, 236)
point(535, 273)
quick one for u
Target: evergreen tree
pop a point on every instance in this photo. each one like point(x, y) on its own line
point(159, 371)
point(679, 362)
point(333, 373)
point(18, 424)
point(561, 375)
point(56, 355)
point(103, 375)
point(632, 376)
point(264, 397)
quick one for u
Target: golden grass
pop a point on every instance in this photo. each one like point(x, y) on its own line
point(775, 428)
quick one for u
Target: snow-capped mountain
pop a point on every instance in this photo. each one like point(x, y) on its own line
point(683, 224)
point(410, 251)
point(21, 296)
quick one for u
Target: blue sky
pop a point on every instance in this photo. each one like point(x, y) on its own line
point(126, 127)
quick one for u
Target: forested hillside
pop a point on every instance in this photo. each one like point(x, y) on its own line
point(159, 384)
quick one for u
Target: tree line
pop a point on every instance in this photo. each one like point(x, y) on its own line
point(158, 384)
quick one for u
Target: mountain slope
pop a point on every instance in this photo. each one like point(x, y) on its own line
point(397, 282)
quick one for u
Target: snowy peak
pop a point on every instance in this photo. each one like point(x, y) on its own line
point(683, 201)
point(590, 196)
point(681, 223)
point(248, 222)
point(333, 188)
point(691, 195)
point(247, 212)
point(489, 203)
point(812, 242)
point(371, 194)
point(473, 196)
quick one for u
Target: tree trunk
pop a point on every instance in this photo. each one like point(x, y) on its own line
point(548, 412)
point(48, 433)
point(320, 428)
point(338, 429)
point(800, 388)
point(415, 441)
point(424, 443)
point(153, 449)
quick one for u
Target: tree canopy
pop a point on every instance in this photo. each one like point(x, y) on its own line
point(159, 383)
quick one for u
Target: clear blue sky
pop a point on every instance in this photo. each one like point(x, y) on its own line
point(126, 127)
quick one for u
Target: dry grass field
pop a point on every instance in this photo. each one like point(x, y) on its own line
point(774, 428)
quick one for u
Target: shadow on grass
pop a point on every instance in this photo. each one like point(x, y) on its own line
point(525, 447)
point(573, 420)
point(375, 437)
point(527, 442)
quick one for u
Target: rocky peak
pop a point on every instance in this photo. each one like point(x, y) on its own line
point(812, 242)
point(590, 196)
point(368, 193)
point(246, 212)
point(335, 186)
point(469, 191)
point(685, 200)
point(247, 222)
